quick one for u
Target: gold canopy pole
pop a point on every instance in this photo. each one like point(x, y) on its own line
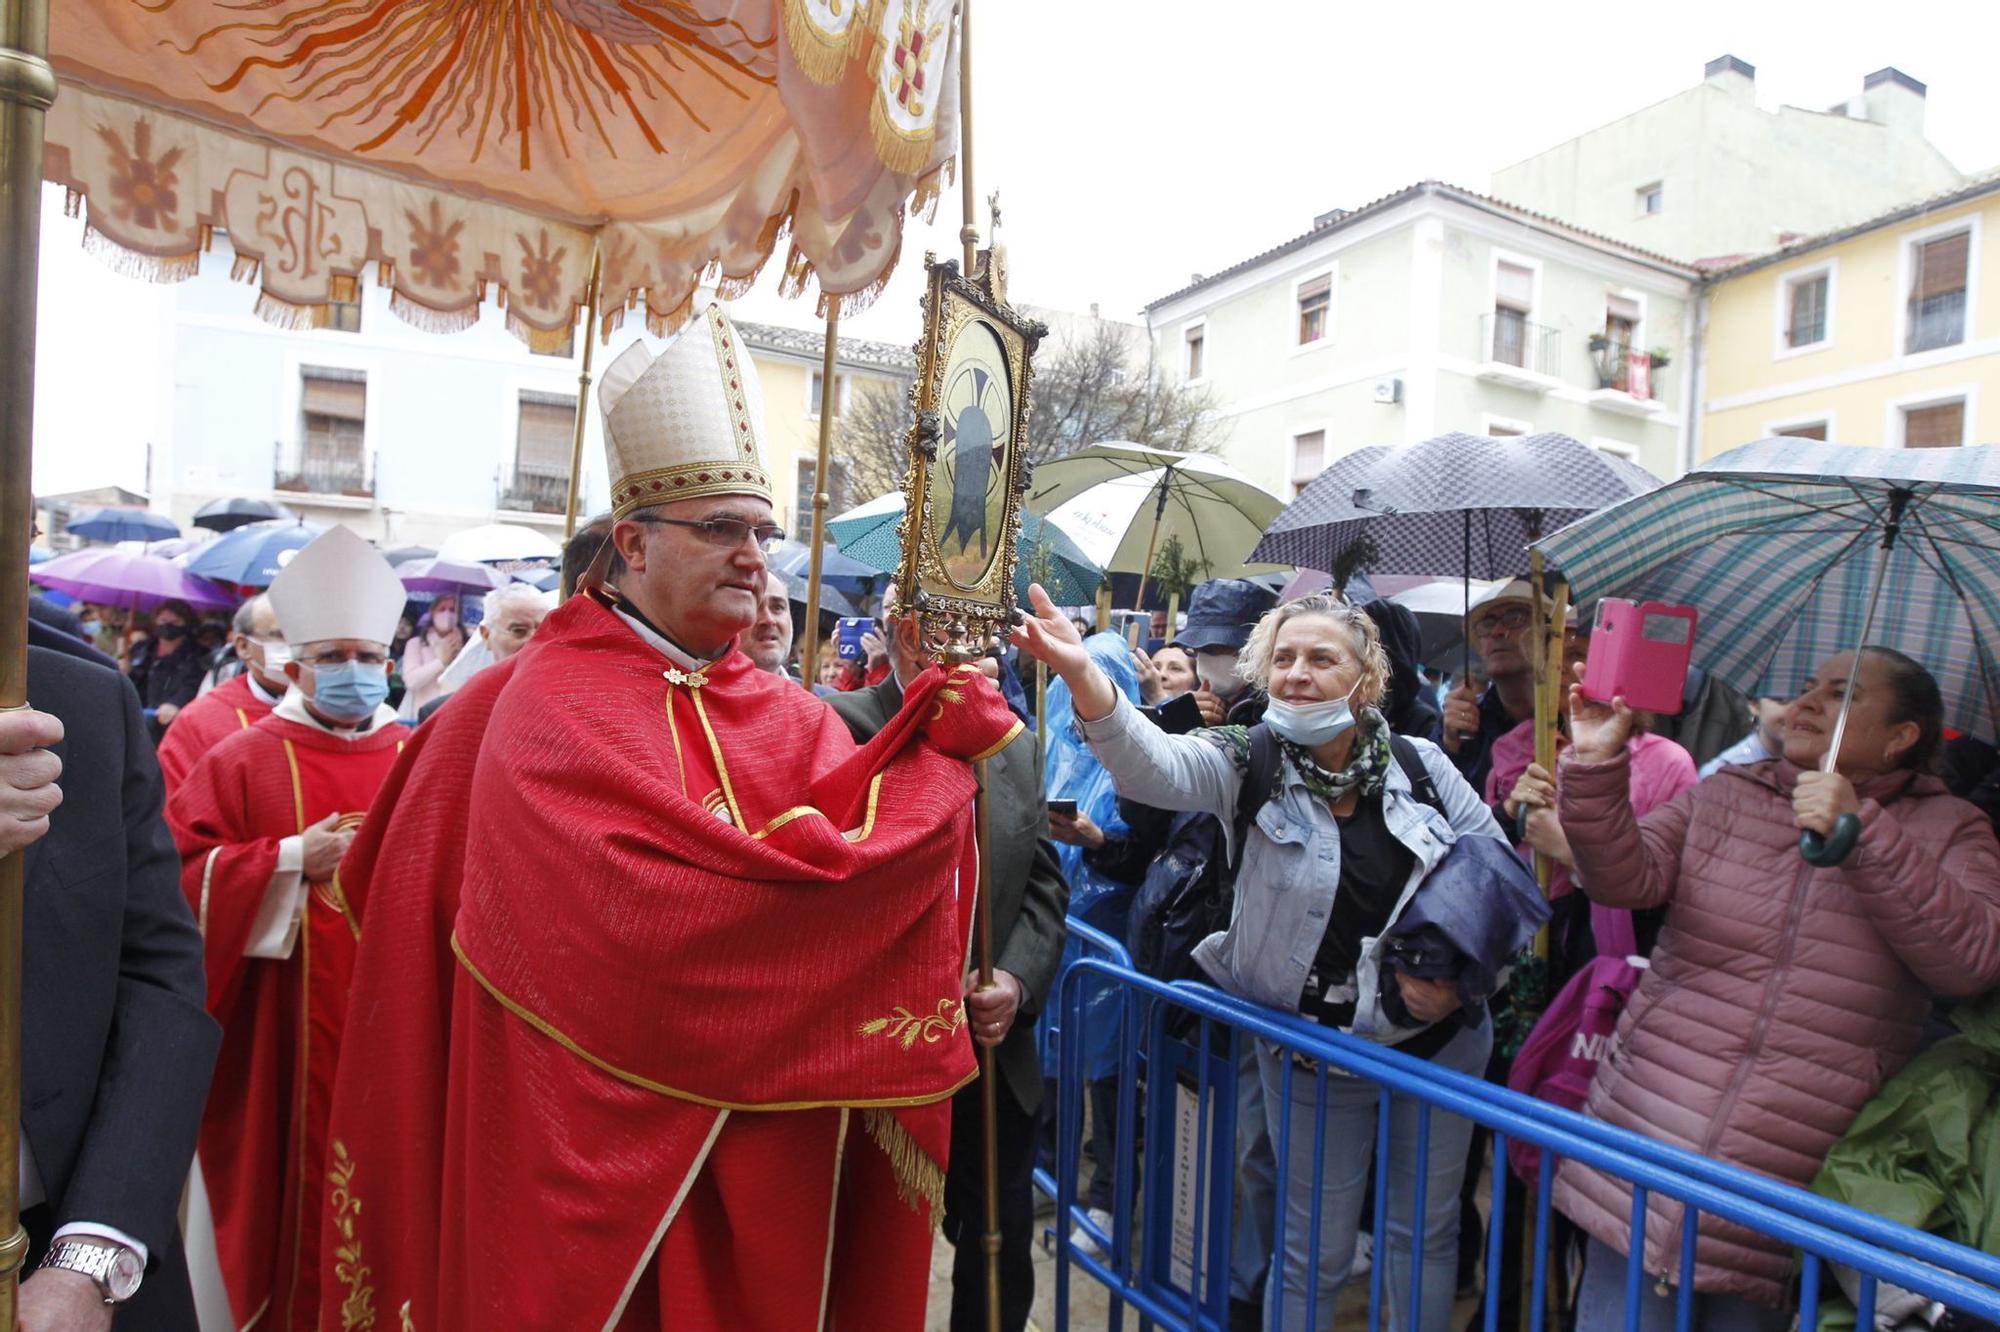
point(828, 399)
point(591, 298)
point(968, 235)
point(27, 88)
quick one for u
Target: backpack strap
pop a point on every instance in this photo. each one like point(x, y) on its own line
point(1256, 788)
point(1412, 764)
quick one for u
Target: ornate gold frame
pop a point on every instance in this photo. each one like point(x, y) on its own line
point(953, 620)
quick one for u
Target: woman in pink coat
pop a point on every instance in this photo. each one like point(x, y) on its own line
point(1780, 996)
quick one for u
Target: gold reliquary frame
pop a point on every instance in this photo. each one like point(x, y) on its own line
point(968, 468)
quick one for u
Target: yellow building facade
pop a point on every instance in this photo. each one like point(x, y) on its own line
point(1886, 333)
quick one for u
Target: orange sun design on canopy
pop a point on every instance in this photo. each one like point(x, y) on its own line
point(488, 70)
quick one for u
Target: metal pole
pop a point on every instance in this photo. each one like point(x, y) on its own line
point(988, 1108)
point(582, 396)
point(828, 399)
point(27, 88)
point(1152, 537)
point(968, 231)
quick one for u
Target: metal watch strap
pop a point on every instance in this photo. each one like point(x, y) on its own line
point(91, 1258)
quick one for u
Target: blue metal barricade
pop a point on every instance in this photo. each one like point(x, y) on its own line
point(1169, 1258)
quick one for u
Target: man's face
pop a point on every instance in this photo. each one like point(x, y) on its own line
point(1158, 625)
point(1499, 635)
point(263, 650)
point(769, 641)
point(518, 618)
point(309, 659)
point(699, 587)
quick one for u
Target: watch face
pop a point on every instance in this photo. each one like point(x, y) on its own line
point(967, 490)
point(123, 1278)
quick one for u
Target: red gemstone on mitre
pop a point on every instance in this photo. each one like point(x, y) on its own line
point(680, 480)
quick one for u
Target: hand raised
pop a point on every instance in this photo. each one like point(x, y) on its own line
point(1597, 730)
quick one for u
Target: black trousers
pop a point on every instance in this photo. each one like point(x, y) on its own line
point(965, 1209)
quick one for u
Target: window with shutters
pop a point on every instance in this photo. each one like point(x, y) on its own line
point(838, 496)
point(545, 427)
point(1308, 458)
point(1934, 425)
point(816, 393)
point(338, 316)
point(1807, 301)
point(1935, 308)
point(1513, 302)
point(1195, 362)
point(331, 458)
point(1315, 300)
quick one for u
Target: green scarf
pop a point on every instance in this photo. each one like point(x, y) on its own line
point(1367, 766)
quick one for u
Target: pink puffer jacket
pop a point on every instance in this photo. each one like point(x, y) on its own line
point(1781, 996)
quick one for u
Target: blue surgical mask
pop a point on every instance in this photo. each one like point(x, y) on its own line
point(1310, 724)
point(350, 691)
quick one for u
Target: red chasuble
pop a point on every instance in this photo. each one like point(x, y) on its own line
point(263, 1136)
point(692, 1061)
point(230, 707)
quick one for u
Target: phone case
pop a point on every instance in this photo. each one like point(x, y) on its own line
point(1641, 651)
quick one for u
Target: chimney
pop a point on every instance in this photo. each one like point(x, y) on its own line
point(1328, 218)
point(1894, 99)
point(1737, 77)
point(1093, 311)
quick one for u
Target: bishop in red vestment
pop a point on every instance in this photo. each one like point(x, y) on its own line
point(680, 1053)
point(261, 822)
point(236, 704)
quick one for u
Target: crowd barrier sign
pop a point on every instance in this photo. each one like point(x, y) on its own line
point(1166, 1257)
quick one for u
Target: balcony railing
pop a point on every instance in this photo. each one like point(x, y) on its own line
point(526, 491)
point(1628, 369)
point(315, 471)
point(1507, 339)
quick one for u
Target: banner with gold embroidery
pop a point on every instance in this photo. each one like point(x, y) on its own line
point(454, 147)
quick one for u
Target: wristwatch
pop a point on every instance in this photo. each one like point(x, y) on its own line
point(115, 1268)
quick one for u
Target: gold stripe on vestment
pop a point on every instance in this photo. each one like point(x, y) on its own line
point(556, 1034)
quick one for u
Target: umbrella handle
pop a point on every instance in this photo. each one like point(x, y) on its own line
point(1827, 852)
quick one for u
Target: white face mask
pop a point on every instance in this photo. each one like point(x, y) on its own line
point(1217, 670)
point(1311, 724)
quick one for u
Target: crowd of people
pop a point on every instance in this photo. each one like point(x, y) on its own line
point(581, 967)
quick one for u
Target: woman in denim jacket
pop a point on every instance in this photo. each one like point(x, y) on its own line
point(1333, 857)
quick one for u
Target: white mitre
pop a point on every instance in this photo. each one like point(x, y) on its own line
point(338, 586)
point(687, 423)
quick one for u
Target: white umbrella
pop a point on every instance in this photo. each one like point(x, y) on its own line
point(1118, 502)
point(498, 543)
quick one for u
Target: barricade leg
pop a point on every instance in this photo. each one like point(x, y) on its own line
point(1426, 1167)
point(1256, 1179)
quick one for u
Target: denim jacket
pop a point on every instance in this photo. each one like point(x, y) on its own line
point(1290, 866)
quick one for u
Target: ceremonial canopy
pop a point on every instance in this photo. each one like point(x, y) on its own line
point(460, 145)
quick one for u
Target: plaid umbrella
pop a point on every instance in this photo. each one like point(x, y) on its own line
point(1462, 506)
point(1782, 546)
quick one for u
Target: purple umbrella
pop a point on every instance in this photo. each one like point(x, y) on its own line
point(442, 574)
point(127, 578)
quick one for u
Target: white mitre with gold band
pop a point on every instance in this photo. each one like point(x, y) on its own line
point(338, 586)
point(687, 423)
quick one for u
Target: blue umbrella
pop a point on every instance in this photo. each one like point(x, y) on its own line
point(794, 561)
point(1785, 546)
point(117, 522)
point(251, 555)
point(1045, 553)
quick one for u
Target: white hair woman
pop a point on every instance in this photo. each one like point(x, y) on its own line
point(1333, 856)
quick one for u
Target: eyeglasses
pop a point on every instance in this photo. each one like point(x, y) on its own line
point(1514, 617)
point(342, 658)
point(726, 532)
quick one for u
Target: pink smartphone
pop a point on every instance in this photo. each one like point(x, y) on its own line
point(1641, 651)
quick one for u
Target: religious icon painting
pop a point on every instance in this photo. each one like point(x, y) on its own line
point(967, 468)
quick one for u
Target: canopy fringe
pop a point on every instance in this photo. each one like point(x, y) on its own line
point(430, 319)
point(820, 54)
point(136, 264)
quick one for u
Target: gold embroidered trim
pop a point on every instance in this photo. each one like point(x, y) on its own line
point(721, 768)
point(331, 894)
point(852, 834)
point(1012, 733)
point(554, 1033)
point(919, 1180)
point(726, 356)
point(905, 1026)
point(357, 1311)
point(242, 720)
point(664, 485)
point(298, 791)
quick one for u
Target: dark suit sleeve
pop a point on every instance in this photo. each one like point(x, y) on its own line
point(154, 1076)
point(1033, 949)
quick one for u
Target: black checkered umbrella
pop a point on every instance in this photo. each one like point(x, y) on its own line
point(1456, 506)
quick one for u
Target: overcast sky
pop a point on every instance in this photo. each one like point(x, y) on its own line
point(1135, 142)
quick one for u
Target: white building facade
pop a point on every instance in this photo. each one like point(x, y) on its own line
point(1432, 310)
